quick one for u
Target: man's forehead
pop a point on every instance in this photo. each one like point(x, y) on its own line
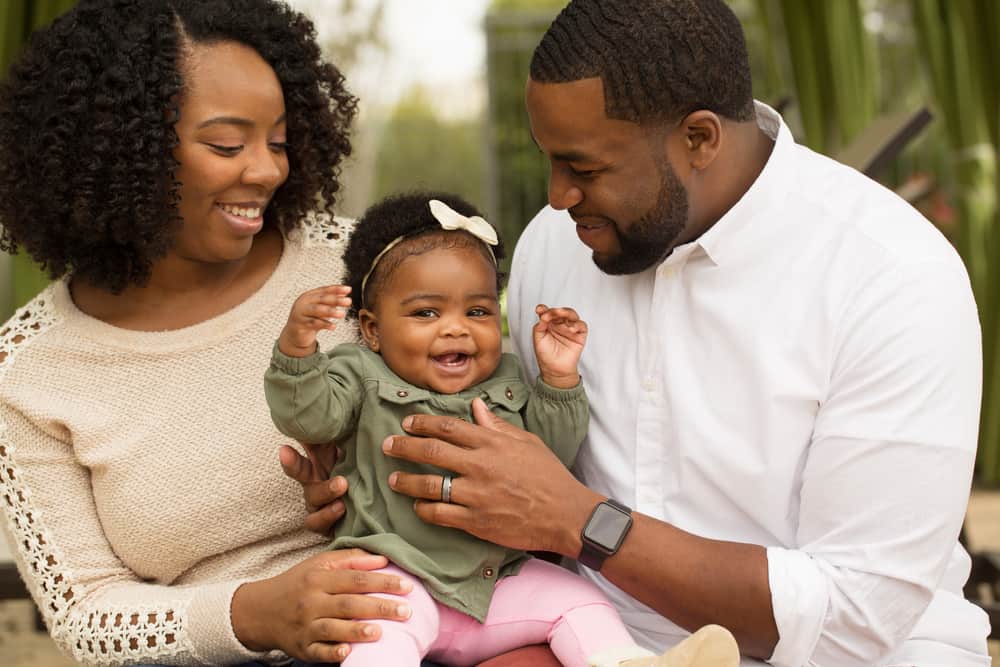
point(568, 120)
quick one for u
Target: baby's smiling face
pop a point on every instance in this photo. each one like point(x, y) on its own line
point(436, 321)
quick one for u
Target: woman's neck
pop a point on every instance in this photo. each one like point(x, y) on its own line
point(181, 293)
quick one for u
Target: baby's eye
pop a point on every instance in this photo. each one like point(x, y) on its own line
point(479, 312)
point(424, 312)
point(279, 146)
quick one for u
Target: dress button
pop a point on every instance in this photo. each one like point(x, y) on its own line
point(488, 572)
point(402, 393)
point(509, 394)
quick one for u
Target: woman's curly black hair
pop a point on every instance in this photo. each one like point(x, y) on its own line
point(87, 117)
point(405, 215)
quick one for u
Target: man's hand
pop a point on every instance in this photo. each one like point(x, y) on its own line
point(558, 337)
point(509, 488)
point(311, 313)
point(321, 493)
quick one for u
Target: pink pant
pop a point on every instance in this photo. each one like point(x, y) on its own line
point(543, 603)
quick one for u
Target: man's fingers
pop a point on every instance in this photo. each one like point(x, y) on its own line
point(422, 486)
point(325, 518)
point(485, 418)
point(320, 494)
point(449, 515)
point(427, 450)
point(295, 465)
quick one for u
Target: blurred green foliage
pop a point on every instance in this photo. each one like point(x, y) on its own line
point(420, 149)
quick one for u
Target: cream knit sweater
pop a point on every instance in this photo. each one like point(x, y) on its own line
point(139, 474)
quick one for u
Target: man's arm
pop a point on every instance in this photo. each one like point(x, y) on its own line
point(510, 489)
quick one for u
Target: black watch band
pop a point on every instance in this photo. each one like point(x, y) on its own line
point(604, 533)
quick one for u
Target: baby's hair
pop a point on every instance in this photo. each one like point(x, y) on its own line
point(405, 215)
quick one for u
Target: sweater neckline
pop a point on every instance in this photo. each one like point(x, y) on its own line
point(202, 333)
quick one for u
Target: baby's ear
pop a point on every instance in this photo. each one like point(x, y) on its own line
point(368, 324)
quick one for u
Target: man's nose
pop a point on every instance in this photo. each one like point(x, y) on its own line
point(563, 192)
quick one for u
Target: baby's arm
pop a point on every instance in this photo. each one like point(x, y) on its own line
point(559, 336)
point(316, 398)
point(313, 311)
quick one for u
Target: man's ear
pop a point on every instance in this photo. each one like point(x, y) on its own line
point(702, 135)
point(368, 324)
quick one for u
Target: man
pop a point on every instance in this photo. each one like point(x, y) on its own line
point(784, 365)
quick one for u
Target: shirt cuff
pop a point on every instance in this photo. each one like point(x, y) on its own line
point(799, 599)
point(295, 365)
point(211, 628)
point(551, 393)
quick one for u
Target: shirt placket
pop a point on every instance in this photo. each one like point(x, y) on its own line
point(655, 476)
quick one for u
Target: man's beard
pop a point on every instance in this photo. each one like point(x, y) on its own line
point(649, 240)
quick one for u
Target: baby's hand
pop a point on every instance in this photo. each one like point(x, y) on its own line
point(559, 336)
point(313, 311)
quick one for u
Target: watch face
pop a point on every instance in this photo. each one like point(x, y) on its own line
point(607, 527)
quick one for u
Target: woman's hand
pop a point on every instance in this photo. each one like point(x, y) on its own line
point(312, 610)
point(321, 493)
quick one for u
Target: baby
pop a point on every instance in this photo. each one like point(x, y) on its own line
point(423, 273)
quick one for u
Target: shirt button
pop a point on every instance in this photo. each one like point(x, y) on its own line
point(509, 394)
point(488, 572)
point(402, 393)
point(648, 385)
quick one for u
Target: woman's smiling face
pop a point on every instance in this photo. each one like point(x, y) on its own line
point(231, 151)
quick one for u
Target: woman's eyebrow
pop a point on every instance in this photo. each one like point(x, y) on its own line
point(235, 120)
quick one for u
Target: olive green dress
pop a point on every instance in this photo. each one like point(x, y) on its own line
point(349, 395)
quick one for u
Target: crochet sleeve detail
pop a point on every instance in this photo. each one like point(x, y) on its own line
point(321, 228)
point(97, 610)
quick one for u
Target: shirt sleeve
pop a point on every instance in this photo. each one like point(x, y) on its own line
point(559, 417)
point(886, 481)
point(97, 609)
point(315, 399)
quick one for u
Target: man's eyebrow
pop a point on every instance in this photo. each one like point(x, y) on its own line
point(235, 120)
point(562, 156)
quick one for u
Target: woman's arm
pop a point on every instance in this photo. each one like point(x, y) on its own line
point(99, 611)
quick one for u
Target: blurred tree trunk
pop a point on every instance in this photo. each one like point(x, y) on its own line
point(957, 39)
point(20, 278)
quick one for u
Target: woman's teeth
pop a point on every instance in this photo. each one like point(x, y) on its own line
point(249, 213)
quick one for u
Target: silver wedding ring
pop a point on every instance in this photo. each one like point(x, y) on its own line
point(446, 489)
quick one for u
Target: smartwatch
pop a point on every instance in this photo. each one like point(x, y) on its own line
point(604, 533)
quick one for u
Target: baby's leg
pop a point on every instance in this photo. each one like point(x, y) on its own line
point(403, 643)
point(543, 603)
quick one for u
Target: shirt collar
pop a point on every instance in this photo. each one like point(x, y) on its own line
point(764, 197)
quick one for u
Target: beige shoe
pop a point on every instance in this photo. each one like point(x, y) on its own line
point(711, 646)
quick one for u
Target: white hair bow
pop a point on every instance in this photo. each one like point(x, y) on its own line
point(452, 219)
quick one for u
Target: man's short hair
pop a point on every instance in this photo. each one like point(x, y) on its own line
point(659, 59)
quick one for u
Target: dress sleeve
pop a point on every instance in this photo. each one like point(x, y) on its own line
point(316, 399)
point(97, 609)
point(559, 417)
point(886, 481)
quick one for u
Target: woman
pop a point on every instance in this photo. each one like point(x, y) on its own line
point(162, 158)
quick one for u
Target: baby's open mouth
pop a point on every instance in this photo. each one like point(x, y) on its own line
point(451, 359)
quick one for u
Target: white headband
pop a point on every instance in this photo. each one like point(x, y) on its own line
point(451, 220)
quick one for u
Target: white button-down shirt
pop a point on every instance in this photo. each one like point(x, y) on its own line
point(805, 376)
